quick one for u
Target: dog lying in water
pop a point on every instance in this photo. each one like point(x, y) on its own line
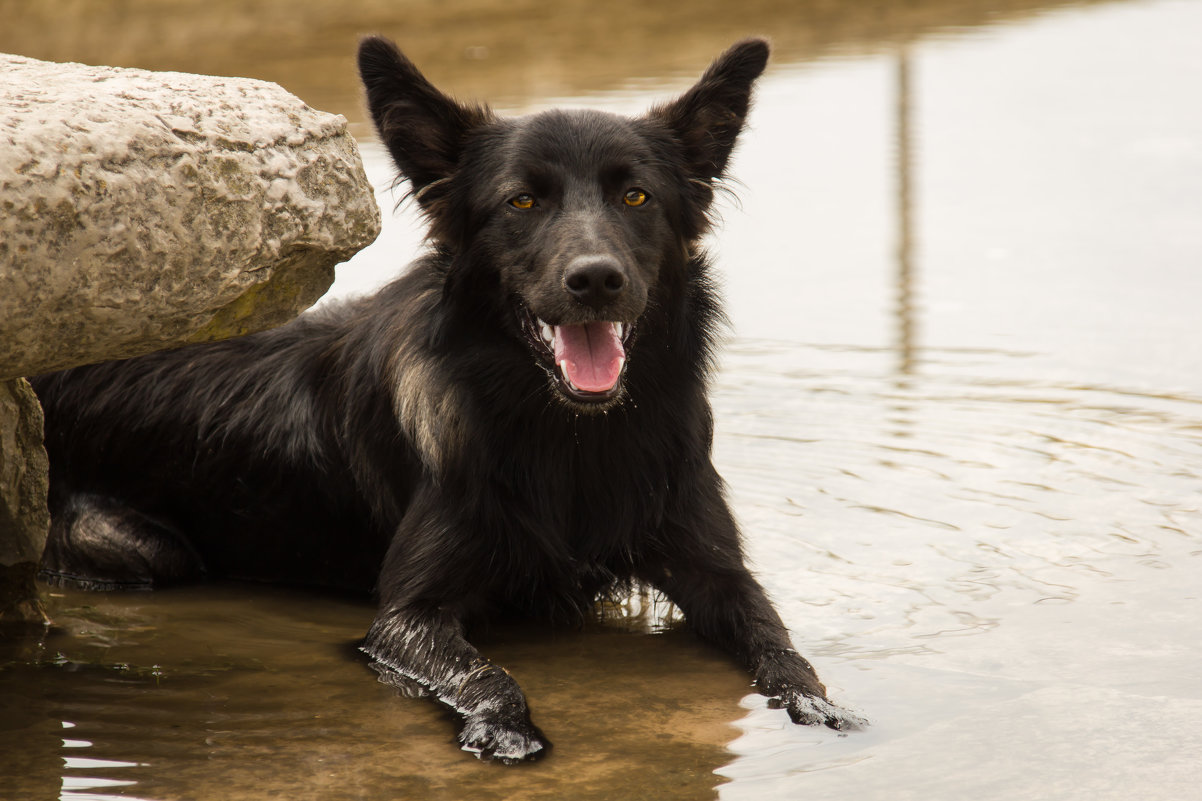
point(518, 425)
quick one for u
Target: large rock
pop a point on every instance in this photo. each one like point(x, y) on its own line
point(140, 211)
point(24, 520)
point(143, 210)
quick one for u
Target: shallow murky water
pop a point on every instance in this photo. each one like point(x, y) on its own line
point(960, 414)
point(246, 693)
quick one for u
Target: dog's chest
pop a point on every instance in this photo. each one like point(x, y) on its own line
point(595, 510)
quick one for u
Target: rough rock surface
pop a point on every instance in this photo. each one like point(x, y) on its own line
point(141, 210)
point(24, 520)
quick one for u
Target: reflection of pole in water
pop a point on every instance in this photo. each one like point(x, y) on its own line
point(905, 221)
point(901, 418)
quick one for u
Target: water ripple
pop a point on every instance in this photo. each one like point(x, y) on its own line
point(929, 501)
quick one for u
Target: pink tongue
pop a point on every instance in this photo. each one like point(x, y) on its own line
point(590, 355)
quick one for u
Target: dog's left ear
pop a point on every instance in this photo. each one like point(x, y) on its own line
point(706, 120)
point(423, 129)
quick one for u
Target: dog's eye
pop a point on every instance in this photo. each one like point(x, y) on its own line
point(635, 197)
point(522, 201)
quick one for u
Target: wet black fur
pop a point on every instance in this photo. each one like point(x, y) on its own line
point(419, 442)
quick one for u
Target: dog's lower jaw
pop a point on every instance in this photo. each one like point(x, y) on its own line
point(582, 403)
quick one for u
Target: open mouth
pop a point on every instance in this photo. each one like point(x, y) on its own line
point(588, 359)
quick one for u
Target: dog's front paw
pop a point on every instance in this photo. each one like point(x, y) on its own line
point(790, 682)
point(506, 741)
point(810, 710)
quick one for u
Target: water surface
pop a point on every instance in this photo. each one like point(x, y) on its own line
point(960, 414)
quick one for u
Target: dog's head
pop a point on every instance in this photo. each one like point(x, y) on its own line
point(579, 216)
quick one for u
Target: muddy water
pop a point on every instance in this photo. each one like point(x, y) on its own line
point(960, 414)
point(243, 693)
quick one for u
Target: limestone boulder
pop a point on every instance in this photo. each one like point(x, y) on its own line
point(143, 210)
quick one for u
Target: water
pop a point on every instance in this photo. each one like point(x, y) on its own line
point(240, 693)
point(960, 414)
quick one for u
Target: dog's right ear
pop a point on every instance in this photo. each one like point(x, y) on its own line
point(422, 128)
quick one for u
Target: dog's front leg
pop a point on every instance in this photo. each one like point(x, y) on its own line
point(429, 583)
point(703, 573)
point(428, 646)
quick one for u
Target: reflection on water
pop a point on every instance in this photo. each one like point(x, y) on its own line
point(242, 693)
point(961, 422)
point(971, 488)
point(975, 560)
point(512, 52)
point(904, 156)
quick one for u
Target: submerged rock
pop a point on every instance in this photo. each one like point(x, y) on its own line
point(143, 210)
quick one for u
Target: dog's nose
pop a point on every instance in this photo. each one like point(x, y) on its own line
point(595, 280)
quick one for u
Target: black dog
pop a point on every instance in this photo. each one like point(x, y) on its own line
point(516, 426)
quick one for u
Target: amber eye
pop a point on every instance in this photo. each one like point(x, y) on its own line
point(635, 197)
point(522, 201)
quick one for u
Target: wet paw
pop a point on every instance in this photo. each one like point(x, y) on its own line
point(505, 741)
point(810, 710)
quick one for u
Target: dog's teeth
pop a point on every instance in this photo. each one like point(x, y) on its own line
point(620, 328)
point(546, 332)
point(563, 369)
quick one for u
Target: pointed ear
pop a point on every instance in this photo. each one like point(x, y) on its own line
point(422, 128)
point(706, 120)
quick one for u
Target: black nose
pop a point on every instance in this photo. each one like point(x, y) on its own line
point(595, 280)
